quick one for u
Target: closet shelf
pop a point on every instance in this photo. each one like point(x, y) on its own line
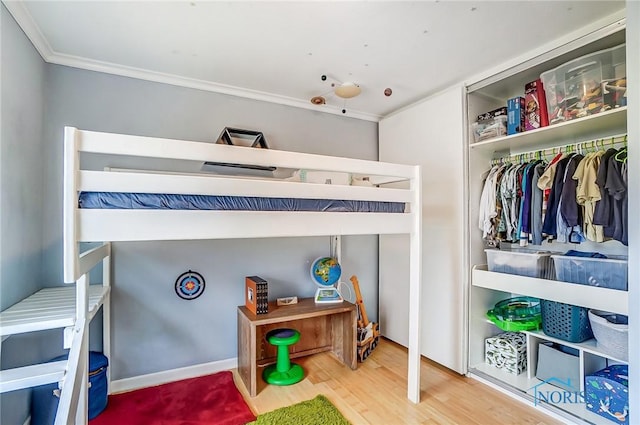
point(582, 129)
point(588, 346)
point(530, 385)
point(569, 293)
point(49, 308)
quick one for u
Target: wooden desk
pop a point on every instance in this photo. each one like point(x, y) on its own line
point(322, 327)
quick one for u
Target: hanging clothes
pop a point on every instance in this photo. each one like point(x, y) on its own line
point(508, 196)
point(537, 200)
point(572, 199)
point(549, 226)
point(617, 188)
point(588, 194)
point(546, 181)
point(488, 211)
point(524, 223)
point(570, 210)
point(603, 211)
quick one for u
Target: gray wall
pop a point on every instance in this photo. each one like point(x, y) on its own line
point(21, 199)
point(152, 329)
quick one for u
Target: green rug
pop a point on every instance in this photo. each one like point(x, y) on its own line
point(317, 411)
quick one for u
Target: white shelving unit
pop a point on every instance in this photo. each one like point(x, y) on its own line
point(487, 288)
point(595, 297)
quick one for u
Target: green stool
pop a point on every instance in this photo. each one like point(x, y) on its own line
point(283, 372)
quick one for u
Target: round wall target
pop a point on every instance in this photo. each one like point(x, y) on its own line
point(190, 285)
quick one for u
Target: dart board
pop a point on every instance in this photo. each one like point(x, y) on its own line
point(190, 285)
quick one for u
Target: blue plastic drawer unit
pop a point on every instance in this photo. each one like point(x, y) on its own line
point(607, 393)
point(44, 402)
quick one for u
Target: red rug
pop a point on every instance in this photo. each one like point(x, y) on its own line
point(206, 400)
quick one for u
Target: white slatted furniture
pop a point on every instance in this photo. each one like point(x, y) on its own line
point(109, 225)
point(68, 308)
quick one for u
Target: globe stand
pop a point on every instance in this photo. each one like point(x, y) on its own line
point(325, 273)
point(328, 295)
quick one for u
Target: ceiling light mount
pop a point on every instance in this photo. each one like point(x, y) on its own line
point(344, 90)
point(347, 90)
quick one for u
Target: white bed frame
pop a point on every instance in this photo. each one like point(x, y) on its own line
point(109, 225)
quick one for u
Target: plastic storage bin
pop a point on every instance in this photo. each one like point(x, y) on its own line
point(520, 262)
point(566, 322)
point(611, 332)
point(604, 272)
point(489, 128)
point(44, 401)
point(559, 365)
point(606, 392)
point(587, 85)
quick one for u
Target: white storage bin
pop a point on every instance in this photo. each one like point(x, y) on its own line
point(520, 262)
point(587, 85)
point(489, 128)
point(604, 272)
point(611, 331)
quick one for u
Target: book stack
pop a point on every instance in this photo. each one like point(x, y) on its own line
point(256, 295)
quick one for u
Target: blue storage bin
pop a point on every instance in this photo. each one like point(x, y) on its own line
point(565, 321)
point(607, 393)
point(44, 402)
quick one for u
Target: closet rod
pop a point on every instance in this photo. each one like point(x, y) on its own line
point(583, 146)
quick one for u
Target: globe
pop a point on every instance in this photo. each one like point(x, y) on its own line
point(325, 271)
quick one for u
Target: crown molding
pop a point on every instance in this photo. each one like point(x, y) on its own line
point(24, 19)
point(194, 83)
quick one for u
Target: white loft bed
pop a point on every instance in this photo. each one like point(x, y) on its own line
point(69, 308)
point(110, 225)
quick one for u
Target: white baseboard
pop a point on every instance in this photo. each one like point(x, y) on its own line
point(166, 376)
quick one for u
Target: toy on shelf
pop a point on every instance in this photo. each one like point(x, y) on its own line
point(325, 272)
point(536, 115)
point(368, 332)
point(516, 314)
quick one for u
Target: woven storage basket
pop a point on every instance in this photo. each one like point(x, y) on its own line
point(611, 332)
point(565, 321)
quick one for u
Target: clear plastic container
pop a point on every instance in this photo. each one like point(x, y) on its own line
point(490, 128)
point(520, 262)
point(587, 85)
point(603, 272)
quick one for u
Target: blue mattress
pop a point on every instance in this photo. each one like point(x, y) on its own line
point(113, 200)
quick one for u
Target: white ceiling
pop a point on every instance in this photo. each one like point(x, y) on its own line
point(277, 51)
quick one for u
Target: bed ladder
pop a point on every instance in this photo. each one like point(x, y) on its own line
point(71, 309)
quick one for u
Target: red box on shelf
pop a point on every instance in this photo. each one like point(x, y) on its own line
point(535, 102)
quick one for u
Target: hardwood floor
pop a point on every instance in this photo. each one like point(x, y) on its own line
point(376, 393)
